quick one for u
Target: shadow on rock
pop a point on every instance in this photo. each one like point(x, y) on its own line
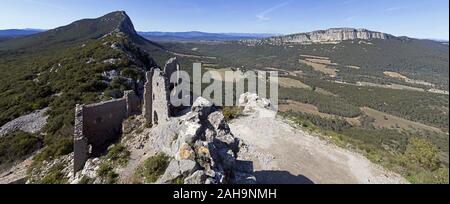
point(280, 177)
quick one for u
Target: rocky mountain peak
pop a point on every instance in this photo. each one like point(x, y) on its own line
point(80, 31)
point(124, 23)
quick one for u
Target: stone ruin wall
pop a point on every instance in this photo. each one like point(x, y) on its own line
point(103, 122)
point(160, 98)
point(147, 109)
point(157, 109)
point(97, 125)
point(133, 103)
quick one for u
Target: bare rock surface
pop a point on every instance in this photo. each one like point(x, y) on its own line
point(203, 147)
point(200, 144)
point(31, 123)
point(16, 174)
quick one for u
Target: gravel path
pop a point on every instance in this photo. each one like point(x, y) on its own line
point(140, 150)
point(284, 155)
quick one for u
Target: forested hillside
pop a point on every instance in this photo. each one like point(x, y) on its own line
point(84, 62)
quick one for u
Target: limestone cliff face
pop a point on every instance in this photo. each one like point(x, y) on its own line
point(333, 35)
point(125, 24)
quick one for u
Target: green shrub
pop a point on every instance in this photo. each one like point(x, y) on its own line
point(441, 176)
point(114, 93)
point(107, 174)
point(55, 175)
point(423, 153)
point(103, 169)
point(59, 148)
point(231, 113)
point(179, 180)
point(152, 168)
point(133, 73)
point(118, 154)
point(17, 146)
point(423, 176)
point(86, 180)
point(111, 177)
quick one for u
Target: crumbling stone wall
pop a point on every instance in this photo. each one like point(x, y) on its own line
point(102, 122)
point(97, 125)
point(148, 98)
point(80, 142)
point(160, 97)
point(172, 66)
point(156, 97)
point(133, 103)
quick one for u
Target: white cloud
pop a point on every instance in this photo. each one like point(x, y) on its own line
point(394, 8)
point(263, 15)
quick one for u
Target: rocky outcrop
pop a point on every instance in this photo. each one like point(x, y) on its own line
point(125, 25)
point(172, 66)
point(251, 102)
point(334, 35)
point(59, 171)
point(203, 148)
point(31, 123)
point(56, 171)
point(258, 106)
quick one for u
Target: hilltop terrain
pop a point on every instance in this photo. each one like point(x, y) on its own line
point(381, 96)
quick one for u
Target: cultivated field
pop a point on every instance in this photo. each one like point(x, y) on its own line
point(292, 83)
point(406, 79)
point(383, 120)
point(311, 109)
point(324, 68)
point(390, 86)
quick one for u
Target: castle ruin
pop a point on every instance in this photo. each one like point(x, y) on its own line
point(98, 125)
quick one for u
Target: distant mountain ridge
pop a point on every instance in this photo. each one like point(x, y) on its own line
point(201, 36)
point(157, 35)
point(16, 33)
point(19, 32)
point(332, 35)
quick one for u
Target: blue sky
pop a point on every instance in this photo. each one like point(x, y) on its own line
point(414, 18)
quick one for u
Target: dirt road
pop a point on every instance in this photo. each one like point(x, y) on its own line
point(283, 154)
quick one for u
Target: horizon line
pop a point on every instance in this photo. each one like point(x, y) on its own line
point(237, 32)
